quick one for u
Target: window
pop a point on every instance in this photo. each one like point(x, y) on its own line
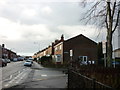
point(83, 60)
point(55, 48)
point(60, 47)
point(58, 58)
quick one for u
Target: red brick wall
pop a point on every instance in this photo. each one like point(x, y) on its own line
point(81, 46)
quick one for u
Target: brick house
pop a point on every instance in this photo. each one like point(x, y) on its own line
point(80, 46)
point(6, 53)
point(58, 51)
point(45, 52)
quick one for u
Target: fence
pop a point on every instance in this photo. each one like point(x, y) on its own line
point(77, 80)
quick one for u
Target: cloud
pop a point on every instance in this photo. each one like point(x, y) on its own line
point(8, 29)
point(23, 22)
point(16, 31)
point(46, 10)
point(90, 31)
point(29, 13)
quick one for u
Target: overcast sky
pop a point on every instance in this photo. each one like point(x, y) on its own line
point(27, 26)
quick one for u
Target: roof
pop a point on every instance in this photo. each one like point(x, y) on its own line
point(117, 50)
point(81, 35)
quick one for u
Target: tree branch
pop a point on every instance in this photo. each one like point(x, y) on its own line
point(106, 22)
point(116, 21)
point(90, 11)
point(113, 9)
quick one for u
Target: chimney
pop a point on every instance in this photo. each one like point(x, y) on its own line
point(56, 40)
point(3, 45)
point(62, 38)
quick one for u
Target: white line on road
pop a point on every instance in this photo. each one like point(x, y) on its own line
point(13, 80)
point(16, 77)
point(21, 78)
point(11, 76)
point(19, 71)
point(44, 75)
point(6, 85)
point(20, 74)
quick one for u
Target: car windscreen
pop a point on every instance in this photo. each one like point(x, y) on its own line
point(28, 61)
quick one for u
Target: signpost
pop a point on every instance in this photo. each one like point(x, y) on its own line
point(71, 55)
point(104, 51)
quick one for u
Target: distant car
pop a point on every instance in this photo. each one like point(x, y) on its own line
point(8, 60)
point(4, 62)
point(30, 60)
point(15, 60)
point(28, 63)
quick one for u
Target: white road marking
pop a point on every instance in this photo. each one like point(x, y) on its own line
point(13, 79)
point(6, 85)
point(44, 75)
point(20, 74)
point(16, 77)
point(11, 76)
point(21, 78)
point(7, 79)
point(18, 71)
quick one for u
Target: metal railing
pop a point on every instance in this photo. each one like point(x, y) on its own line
point(77, 80)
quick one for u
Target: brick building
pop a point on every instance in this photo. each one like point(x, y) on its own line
point(80, 47)
point(58, 51)
point(45, 52)
point(6, 53)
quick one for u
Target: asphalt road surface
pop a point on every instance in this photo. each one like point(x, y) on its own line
point(16, 75)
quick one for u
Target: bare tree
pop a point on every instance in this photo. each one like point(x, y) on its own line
point(104, 13)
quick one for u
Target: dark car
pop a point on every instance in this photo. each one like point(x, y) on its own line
point(4, 62)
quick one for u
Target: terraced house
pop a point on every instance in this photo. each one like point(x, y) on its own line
point(6, 53)
point(78, 47)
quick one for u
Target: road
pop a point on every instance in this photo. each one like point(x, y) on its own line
point(16, 75)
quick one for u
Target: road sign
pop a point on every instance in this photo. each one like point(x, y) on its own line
point(104, 47)
point(71, 53)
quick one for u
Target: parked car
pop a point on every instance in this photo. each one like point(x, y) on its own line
point(28, 63)
point(4, 62)
point(30, 60)
point(15, 59)
point(20, 58)
point(8, 60)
